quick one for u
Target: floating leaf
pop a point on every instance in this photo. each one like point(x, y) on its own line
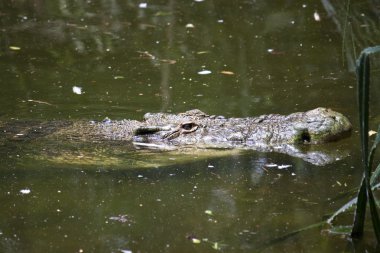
point(371, 132)
point(215, 246)
point(14, 48)
point(226, 72)
point(168, 61)
point(195, 240)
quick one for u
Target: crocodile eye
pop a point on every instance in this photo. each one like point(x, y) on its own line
point(189, 127)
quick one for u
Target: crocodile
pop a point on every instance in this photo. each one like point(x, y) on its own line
point(196, 129)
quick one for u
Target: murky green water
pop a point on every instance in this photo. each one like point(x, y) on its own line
point(232, 58)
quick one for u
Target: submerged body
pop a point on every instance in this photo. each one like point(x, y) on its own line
point(196, 129)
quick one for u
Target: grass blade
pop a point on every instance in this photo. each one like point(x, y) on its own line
point(374, 214)
point(343, 209)
point(375, 176)
point(363, 97)
point(290, 234)
point(376, 173)
point(365, 193)
point(372, 202)
point(359, 217)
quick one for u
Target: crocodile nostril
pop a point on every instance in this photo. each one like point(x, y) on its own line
point(305, 137)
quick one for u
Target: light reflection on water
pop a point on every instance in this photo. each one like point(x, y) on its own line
point(264, 57)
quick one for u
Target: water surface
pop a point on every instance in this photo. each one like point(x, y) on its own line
point(232, 58)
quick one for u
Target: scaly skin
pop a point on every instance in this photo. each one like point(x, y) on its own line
point(312, 127)
point(195, 128)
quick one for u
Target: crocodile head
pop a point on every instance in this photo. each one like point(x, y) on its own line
point(195, 128)
point(321, 125)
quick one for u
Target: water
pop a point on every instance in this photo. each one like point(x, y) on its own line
point(232, 58)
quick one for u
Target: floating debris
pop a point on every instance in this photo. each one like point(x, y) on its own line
point(125, 251)
point(317, 17)
point(208, 212)
point(271, 165)
point(146, 55)
point(121, 218)
point(25, 191)
point(280, 167)
point(193, 239)
point(38, 102)
point(284, 166)
point(143, 5)
point(216, 246)
point(189, 26)
point(371, 132)
point(226, 72)
point(168, 61)
point(274, 51)
point(149, 56)
point(77, 90)
point(204, 72)
point(14, 48)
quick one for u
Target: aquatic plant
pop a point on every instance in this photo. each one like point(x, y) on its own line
point(368, 184)
point(365, 194)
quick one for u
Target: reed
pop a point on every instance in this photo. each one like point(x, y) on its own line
point(365, 194)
